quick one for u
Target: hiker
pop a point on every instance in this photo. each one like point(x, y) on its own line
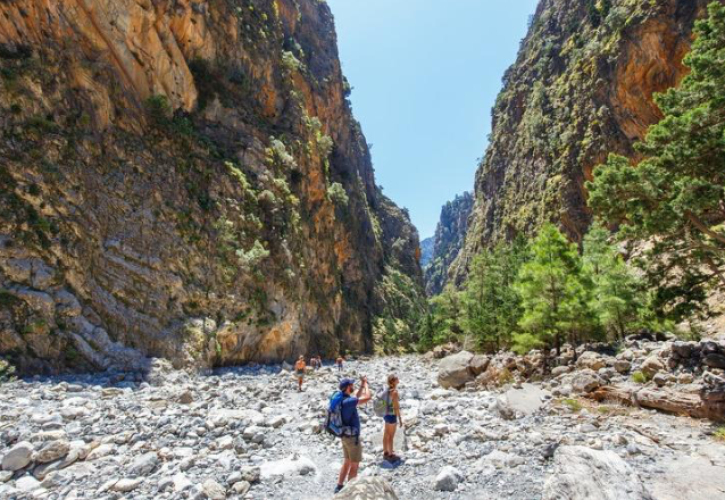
point(300, 368)
point(350, 431)
point(319, 363)
point(339, 362)
point(313, 362)
point(391, 418)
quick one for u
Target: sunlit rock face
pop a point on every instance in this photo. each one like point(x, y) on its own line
point(581, 87)
point(183, 179)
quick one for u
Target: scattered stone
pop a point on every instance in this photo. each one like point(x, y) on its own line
point(145, 464)
point(214, 490)
point(126, 485)
point(27, 484)
point(586, 381)
point(51, 451)
point(447, 479)
point(288, 467)
point(622, 366)
point(18, 456)
point(186, 398)
point(367, 488)
point(591, 360)
point(651, 366)
point(241, 488)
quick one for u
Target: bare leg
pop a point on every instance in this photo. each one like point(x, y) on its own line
point(389, 438)
point(353, 470)
point(344, 471)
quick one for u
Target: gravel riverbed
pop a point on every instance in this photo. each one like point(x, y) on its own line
point(248, 433)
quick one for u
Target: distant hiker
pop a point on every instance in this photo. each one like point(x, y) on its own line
point(300, 368)
point(319, 363)
point(313, 362)
point(387, 405)
point(344, 422)
point(339, 362)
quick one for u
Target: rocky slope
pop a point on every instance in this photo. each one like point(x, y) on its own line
point(581, 87)
point(449, 237)
point(248, 433)
point(184, 179)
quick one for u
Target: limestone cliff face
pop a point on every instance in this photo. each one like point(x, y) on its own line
point(581, 87)
point(184, 179)
point(449, 238)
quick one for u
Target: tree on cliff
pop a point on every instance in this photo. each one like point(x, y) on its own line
point(554, 297)
point(675, 197)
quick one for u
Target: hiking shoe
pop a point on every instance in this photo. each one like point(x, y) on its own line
point(338, 488)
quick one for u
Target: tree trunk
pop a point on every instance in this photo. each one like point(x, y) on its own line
point(692, 403)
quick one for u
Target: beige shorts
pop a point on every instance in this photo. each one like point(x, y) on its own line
point(352, 449)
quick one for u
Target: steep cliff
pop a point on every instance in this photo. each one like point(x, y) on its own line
point(449, 238)
point(426, 252)
point(581, 87)
point(184, 179)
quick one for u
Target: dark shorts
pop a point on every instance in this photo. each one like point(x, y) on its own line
point(390, 419)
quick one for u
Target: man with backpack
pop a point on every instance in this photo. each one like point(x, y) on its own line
point(343, 421)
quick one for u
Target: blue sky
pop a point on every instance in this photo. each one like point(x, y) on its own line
point(425, 75)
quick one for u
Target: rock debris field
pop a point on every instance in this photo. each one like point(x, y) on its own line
point(247, 433)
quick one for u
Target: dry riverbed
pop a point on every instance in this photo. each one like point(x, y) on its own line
point(247, 433)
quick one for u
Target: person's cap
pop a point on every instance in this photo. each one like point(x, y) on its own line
point(346, 382)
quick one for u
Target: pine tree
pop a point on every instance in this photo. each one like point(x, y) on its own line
point(616, 290)
point(492, 304)
point(554, 299)
point(675, 197)
point(447, 311)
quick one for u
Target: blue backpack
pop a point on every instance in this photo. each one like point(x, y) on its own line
point(334, 423)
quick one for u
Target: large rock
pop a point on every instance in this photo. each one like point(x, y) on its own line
point(478, 364)
point(52, 450)
point(591, 360)
point(145, 464)
point(580, 473)
point(454, 371)
point(651, 366)
point(447, 479)
point(367, 488)
point(18, 456)
point(526, 399)
point(586, 381)
point(715, 361)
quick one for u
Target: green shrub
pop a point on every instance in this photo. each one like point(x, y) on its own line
point(573, 404)
point(338, 194)
point(325, 144)
point(640, 377)
point(720, 434)
point(7, 371)
point(290, 62)
point(158, 110)
point(253, 256)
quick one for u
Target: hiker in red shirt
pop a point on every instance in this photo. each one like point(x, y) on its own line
point(300, 368)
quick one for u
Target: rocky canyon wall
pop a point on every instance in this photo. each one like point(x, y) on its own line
point(184, 179)
point(581, 87)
